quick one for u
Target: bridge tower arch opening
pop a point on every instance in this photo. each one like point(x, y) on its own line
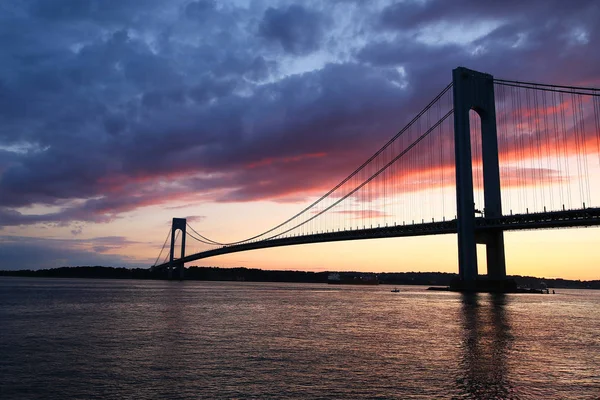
point(176, 265)
point(474, 91)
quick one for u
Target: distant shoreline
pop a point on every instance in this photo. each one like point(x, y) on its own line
point(242, 274)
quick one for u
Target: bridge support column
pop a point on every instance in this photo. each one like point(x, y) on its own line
point(475, 91)
point(178, 223)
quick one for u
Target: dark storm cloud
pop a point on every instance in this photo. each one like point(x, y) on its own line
point(109, 13)
point(108, 108)
point(200, 9)
point(297, 29)
point(527, 35)
point(295, 116)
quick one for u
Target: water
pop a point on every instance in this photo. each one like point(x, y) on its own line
point(86, 339)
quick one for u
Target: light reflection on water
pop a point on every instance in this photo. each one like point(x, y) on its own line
point(485, 345)
point(146, 339)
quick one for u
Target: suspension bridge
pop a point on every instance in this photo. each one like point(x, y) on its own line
point(484, 156)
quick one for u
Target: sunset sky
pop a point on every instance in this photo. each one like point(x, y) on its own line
point(116, 116)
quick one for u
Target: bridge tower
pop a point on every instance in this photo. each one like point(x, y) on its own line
point(178, 223)
point(475, 91)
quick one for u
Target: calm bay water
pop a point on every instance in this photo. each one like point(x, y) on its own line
point(85, 339)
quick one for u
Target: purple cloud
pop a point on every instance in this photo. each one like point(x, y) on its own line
point(101, 107)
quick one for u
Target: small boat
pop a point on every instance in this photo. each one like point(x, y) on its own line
point(395, 290)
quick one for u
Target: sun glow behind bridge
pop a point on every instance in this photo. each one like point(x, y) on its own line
point(410, 180)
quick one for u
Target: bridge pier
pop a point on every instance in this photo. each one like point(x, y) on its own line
point(475, 91)
point(174, 266)
point(176, 271)
point(496, 264)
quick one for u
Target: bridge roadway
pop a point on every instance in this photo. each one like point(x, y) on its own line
point(545, 220)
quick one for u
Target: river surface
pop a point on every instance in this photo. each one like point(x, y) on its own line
point(126, 339)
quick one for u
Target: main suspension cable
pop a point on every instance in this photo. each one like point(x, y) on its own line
point(349, 177)
point(587, 91)
point(204, 239)
point(419, 139)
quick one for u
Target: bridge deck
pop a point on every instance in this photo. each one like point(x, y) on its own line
point(547, 220)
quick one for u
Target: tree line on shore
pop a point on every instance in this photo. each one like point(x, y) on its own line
point(259, 275)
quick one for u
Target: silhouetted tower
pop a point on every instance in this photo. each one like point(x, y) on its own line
point(178, 223)
point(475, 91)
